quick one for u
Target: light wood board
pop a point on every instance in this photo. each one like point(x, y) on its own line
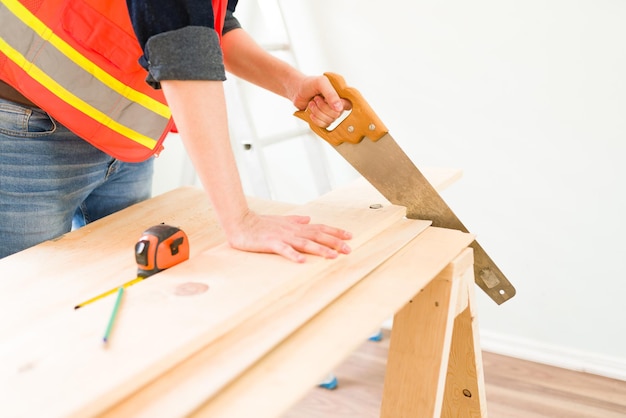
point(283, 376)
point(156, 328)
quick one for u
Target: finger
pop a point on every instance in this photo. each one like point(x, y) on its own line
point(320, 113)
point(324, 107)
point(330, 94)
point(290, 253)
point(337, 232)
point(329, 237)
point(321, 122)
point(333, 242)
point(305, 245)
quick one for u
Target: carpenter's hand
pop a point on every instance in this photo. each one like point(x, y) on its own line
point(289, 236)
point(322, 101)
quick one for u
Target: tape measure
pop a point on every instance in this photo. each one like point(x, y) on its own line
point(159, 247)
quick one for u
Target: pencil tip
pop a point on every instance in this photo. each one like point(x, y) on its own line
point(76, 307)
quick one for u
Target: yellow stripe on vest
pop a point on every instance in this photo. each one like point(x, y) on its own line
point(41, 77)
point(122, 89)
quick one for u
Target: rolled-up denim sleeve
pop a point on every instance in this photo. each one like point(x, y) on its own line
point(179, 40)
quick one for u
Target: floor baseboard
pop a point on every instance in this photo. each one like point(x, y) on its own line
point(558, 356)
point(552, 355)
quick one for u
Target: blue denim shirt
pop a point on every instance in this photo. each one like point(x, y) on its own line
point(178, 39)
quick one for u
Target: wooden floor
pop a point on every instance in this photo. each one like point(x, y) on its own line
point(514, 388)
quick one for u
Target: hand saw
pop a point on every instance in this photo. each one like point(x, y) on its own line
point(383, 163)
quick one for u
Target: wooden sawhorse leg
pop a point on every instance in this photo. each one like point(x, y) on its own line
point(434, 368)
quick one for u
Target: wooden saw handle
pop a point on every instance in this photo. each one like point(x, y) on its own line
point(361, 122)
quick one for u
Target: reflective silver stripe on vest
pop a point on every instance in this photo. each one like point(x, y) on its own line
point(137, 122)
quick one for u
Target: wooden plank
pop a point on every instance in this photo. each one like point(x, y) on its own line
point(206, 372)
point(157, 327)
point(193, 376)
point(36, 296)
point(420, 343)
point(32, 288)
point(465, 383)
point(58, 274)
point(285, 374)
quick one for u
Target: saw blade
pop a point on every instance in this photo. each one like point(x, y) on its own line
point(393, 174)
point(364, 141)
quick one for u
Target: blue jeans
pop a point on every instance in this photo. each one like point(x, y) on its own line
point(52, 181)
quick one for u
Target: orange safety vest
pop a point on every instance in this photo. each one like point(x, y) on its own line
point(78, 60)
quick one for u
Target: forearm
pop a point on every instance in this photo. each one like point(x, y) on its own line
point(244, 58)
point(186, 61)
point(199, 110)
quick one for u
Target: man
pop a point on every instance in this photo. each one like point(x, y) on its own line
point(49, 176)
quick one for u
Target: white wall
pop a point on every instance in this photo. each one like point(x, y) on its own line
point(529, 100)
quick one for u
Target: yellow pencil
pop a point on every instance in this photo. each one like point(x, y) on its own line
point(110, 292)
